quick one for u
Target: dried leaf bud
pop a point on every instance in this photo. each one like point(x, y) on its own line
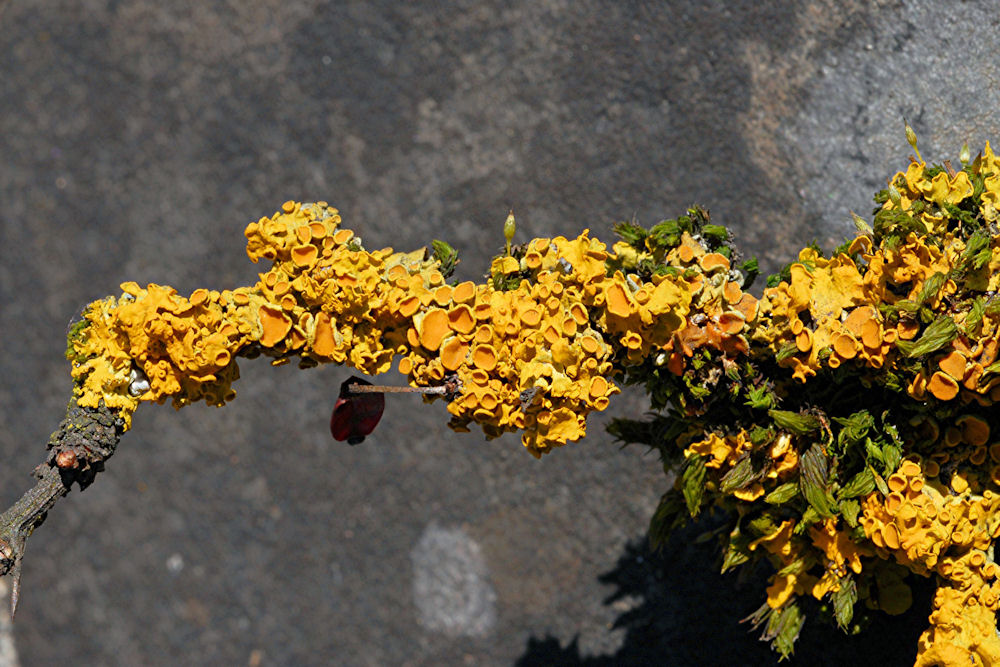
point(894, 195)
point(508, 229)
point(66, 459)
point(860, 224)
point(911, 138)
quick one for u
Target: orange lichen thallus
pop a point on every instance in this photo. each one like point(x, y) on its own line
point(868, 376)
point(536, 358)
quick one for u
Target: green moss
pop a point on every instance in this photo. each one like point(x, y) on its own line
point(77, 333)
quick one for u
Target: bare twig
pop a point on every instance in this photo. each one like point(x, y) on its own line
point(385, 389)
point(448, 389)
point(8, 651)
point(77, 451)
point(18, 522)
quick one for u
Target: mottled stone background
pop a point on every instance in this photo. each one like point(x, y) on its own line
point(138, 139)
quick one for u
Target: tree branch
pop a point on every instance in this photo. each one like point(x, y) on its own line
point(77, 450)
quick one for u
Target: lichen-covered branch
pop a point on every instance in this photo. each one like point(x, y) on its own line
point(77, 451)
point(840, 424)
point(533, 350)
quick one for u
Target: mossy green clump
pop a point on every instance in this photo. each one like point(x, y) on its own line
point(74, 336)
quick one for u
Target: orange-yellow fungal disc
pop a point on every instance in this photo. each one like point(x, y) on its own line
point(453, 354)
point(464, 292)
point(484, 357)
point(953, 364)
point(305, 255)
point(942, 386)
point(432, 328)
point(274, 325)
point(908, 329)
point(199, 297)
point(871, 334)
point(324, 343)
point(461, 319)
point(732, 292)
point(531, 317)
point(712, 261)
point(732, 322)
point(846, 346)
point(409, 306)
point(685, 253)
point(747, 306)
point(803, 341)
point(618, 301)
point(442, 295)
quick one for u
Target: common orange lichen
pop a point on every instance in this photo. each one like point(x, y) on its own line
point(535, 358)
point(842, 421)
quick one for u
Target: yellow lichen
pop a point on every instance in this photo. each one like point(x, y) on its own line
point(907, 311)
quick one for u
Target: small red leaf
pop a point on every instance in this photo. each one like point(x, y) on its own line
point(355, 415)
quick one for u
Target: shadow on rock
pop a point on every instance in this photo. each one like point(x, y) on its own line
point(678, 610)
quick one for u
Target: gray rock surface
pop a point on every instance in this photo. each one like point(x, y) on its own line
point(140, 137)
